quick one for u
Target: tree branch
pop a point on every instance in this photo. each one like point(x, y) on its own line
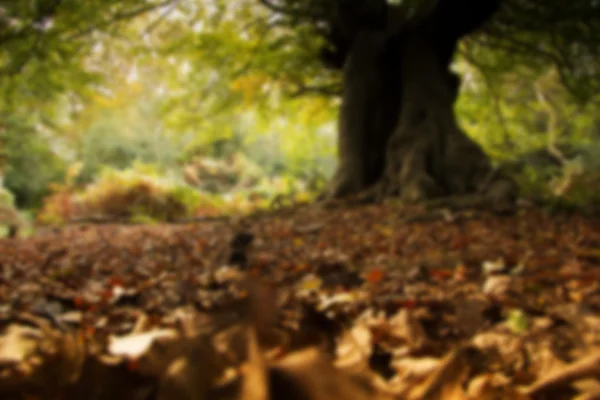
point(296, 12)
point(121, 16)
point(47, 13)
point(453, 19)
point(332, 89)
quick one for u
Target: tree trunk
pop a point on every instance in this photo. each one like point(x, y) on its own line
point(398, 134)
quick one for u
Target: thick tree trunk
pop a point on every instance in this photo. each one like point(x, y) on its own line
point(398, 134)
point(369, 113)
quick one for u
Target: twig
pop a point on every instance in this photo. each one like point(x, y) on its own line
point(325, 90)
point(125, 15)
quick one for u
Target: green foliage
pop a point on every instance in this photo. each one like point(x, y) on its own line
point(572, 185)
point(31, 163)
point(530, 124)
point(6, 197)
point(517, 321)
point(119, 142)
point(44, 43)
point(545, 34)
point(10, 218)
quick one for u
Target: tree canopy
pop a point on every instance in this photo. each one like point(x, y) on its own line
point(55, 35)
point(532, 33)
point(46, 46)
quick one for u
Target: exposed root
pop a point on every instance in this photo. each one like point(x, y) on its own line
point(342, 185)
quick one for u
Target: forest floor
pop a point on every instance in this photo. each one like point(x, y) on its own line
point(371, 302)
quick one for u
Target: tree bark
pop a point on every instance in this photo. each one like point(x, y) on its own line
point(367, 115)
point(398, 135)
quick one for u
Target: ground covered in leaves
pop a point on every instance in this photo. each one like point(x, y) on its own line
point(313, 303)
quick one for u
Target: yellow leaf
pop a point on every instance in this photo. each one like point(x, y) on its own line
point(310, 282)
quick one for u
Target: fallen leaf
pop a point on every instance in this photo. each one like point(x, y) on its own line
point(517, 321)
point(446, 382)
point(588, 367)
point(134, 346)
point(17, 343)
point(375, 276)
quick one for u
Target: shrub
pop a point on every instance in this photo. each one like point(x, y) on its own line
point(31, 166)
point(134, 194)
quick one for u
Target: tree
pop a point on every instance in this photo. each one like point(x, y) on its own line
point(397, 130)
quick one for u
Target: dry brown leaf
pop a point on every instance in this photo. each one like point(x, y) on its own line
point(354, 348)
point(411, 373)
point(588, 367)
point(255, 384)
point(447, 380)
point(313, 377)
point(547, 362)
point(262, 303)
point(183, 380)
point(67, 363)
point(192, 375)
point(135, 345)
point(40, 358)
point(103, 378)
point(18, 343)
point(498, 285)
point(493, 387)
point(416, 369)
point(405, 326)
point(503, 344)
point(469, 315)
point(589, 388)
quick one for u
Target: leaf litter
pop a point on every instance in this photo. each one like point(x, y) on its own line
point(345, 303)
